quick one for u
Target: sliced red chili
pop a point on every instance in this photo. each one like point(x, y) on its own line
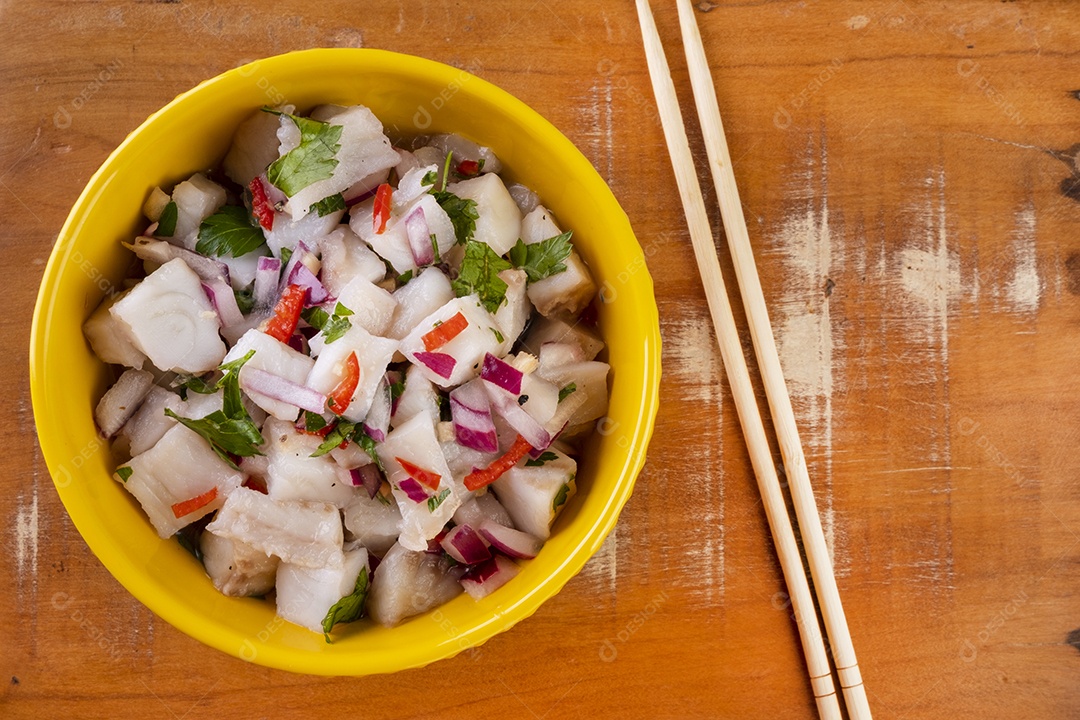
point(445, 332)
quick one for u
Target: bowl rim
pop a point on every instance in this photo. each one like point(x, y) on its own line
point(89, 524)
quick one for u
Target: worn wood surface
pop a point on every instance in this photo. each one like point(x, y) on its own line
point(907, 173)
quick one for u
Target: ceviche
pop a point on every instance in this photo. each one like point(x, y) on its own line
point(352, 375)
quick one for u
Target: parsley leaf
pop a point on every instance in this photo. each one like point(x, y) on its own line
point(230, 431)
point(332, 326)
point(313, 422)
point(542, 259)
point(561, 496)
point(245, 299)
point(328, 205)
point(194, 383)
point(539, 462)
point(430, 178)
point(345, 431)
point(404, 277)
point(435, 501)
point(567, 391)
point(348, 608)
point(286, 254)
point(397, 387)
point(498, 335)
point(480, 274)
point(124, 472)
point(229, 231)
point(462, 213)
point(310, 161)
point(167, 222)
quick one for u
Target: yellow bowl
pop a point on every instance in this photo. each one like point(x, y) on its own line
point(410, 95)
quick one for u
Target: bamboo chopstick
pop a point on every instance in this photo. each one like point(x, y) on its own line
point(738, 376)
point(787, 431)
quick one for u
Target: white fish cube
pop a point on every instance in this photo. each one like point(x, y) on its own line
point(534, 496)
point(236, 568)
point(169, 319)
point(480, 508)
point(254, 147)
point(345, 257)
point(372, 307)
point(415, 442)
point(121, 401)
point(301, 533)
point(514, 313)
point(180, 467)
point(305, 595)
point(196, 199)
point(408, 583)
point(481, 336)
point(565, 293)
point(310, 229)
point(589, 378)
point(417, 299)
point(375, 524)
point(292, 474)
point(108, 336)
point(277, 358)
point(373, 354)
point(499, 224)
point(545, 330)
point(419, 396)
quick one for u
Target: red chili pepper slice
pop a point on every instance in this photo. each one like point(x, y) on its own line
point(479, 478)
point(186, 507)
point(445, 332)
point(468, 168)
point(420, 475)
point(286, 313)
point(261, 206)
point(339, 398)
point(382, 208)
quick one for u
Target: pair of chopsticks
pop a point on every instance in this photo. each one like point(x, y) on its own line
point(817, 552)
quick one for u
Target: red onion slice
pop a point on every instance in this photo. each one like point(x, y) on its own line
point(221, 296)
point(515, 543)
point(439, 363)
point(507, 406)
point(275, 387)
point(413, 490)
point(465, 545)
point(470, 411)
point(501, 373)
point(416, 228)
point(368, 477)
point(267, 275)
point(485, 578)
point(300, 275)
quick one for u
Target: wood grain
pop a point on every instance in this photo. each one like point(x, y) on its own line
point(907, 175)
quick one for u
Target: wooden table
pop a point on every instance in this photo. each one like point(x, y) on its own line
point(909, 180)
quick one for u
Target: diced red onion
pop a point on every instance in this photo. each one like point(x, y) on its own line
point(416, 227)
point(465, 545)
point(296, 342)
point(302, 276)
point(377, 422)
point(515, 543)
point(439, 363)
point(485, 578)
point(434, 545)
point(524, 423)
point(413, 490)
point(470, 411)
point(267, 275)
point(501, 373)
point(368, 477)
point(393, 377)
point(554, 427)
point(221, 296)
point(275, 387)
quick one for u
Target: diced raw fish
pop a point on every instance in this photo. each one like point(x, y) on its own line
point(155, 204)
point(417, 299)
point(170, 320)
point(525, 198)
point(408, 162)
point(514, 313)
point(372, 307)
point(468, 348)
point(305, 595)
point(236, 568)
point(535, 495)
point(415, 442)
point(411, 186)
point(588, 377)
point(393, 243)
point(196, 199)
point(465, 149)
point(542, 397)
point(351, 456)
point(462, 460)
point(408, 583)
point(538, 225)
point(150, 423)
point(419, 396)
point(292, 474)
point(375, 524)
point(565, 293)
point(499, 224)
point(373, 354)
point(364, 150)
point(556, 354)
point(277, 358)
point(121, 401)
point(254, 146)
point(179, 468)
point(480, 508)
point(345, 257)
point(242, 269)
point(109, 338)
point(309, 229)
point(301, 533)
point(366, 185)
point(545, 330)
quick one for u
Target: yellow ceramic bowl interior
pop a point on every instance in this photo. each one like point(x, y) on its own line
point(411, 96)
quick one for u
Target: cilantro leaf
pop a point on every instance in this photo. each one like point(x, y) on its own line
point(124, 472)
point(404, 277)
point(194, 383)
point(229, 231)
point(245, 299)
point(367, 444)
point(348, 608)
point(397, 387)
point(561, 496)
point(539, 462)
point(480, 274)
point(313, 422)
point(435, 501)
point(167, 222)
point(430, 178)
point(341, 433)
point(230, 431)
point(328, 205)
point(567, 391)
point(310, 161)
point(498, 335)
point(542, 259)
point(462, 213)
point(332, 326)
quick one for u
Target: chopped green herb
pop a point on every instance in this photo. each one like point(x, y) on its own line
point(446, 170)
point(341, 433)
point(561, 496)
point(245, 299)
point(480, 274)
point(384, 499)
point(166, 224)
point(435, 250)
point(328, 205)
point(404, 277)
point(542, 259)
point(124, 473)
point(286, 253)
point(397, 388)
point(230, 431)
point(334, 326)
point(348, 608)
point(539, 462)
point(430, 178)
point(435, 501)
point(498, 335)
point(462, 213)
point(310, 161)
point(313, 422)
point(194, 383)
point(229, 231)
point(567, 391)
point(367, 444)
